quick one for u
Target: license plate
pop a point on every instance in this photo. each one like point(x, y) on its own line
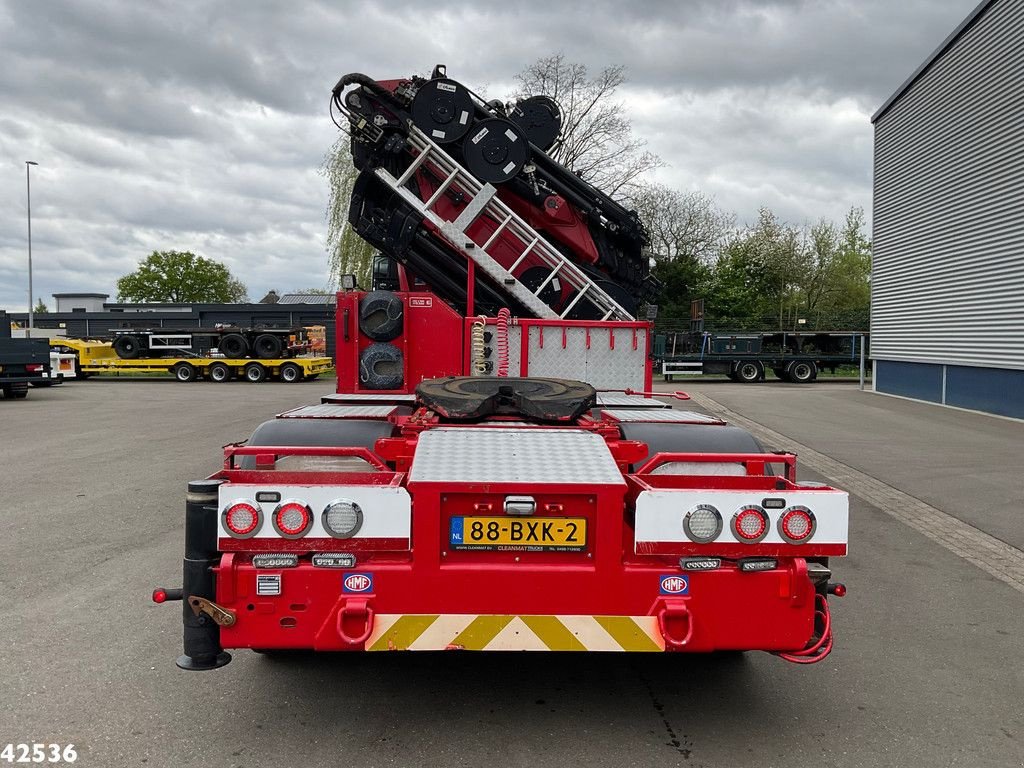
point(511, 534)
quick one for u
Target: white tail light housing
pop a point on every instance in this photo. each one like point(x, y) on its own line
point(750, 524)
point(797, 524)
point(242, 518)
point(342, 518)
point(702, 524)
point(292, 519)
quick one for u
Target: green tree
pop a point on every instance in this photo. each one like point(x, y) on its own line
point(348, 254)
point(180, 277)
point(40, 308)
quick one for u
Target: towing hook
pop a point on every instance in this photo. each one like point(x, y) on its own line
point(837, 588)
point(163, 595)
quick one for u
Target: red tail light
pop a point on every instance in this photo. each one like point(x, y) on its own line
point(292, 519)
point(796, 525)
point(34, 367)
point(750, 524)
point(242, 518)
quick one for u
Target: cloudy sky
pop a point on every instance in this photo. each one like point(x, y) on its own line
point(187, 125)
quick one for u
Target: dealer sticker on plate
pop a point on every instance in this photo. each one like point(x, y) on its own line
point(509, 534)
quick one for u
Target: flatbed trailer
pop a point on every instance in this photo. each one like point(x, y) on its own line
point(95, 357)
point(746, 356)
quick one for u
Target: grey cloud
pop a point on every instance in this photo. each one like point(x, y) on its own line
point(201, 124)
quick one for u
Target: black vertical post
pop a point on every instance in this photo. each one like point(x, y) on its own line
point(201, 633)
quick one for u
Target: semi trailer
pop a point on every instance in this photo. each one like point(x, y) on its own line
point(494, 471)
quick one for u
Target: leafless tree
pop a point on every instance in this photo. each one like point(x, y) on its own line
point(597, 140)
point(687, 225)
point(348, 254)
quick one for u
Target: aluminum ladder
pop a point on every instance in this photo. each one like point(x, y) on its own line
point(483, 200)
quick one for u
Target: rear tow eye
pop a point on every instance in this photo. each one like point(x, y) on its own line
point(222, 616)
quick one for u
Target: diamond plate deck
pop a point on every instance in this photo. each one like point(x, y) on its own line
point(363, 399)
point(620, 400)
point(547, 456)
point(660, 415)
point(330, 411)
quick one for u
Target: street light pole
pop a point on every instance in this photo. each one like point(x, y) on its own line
point(28, 192)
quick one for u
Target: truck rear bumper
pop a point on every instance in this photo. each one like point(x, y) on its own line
point(392, 607)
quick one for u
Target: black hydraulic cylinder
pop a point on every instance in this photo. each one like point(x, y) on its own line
point(201, 633)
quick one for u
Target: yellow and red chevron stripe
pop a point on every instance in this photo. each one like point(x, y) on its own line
point(472, 632)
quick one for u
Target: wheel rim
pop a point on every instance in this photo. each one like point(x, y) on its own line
point(801, 371)
point(218, 374)
point(748, 371)
point(289, 374)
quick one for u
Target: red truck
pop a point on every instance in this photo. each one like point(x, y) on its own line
point(494, 472)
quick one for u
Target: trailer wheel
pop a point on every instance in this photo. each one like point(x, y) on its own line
point(220, 372)
point(380, 367)
point(802, 371)
point(255, 372)
point(185, 372)
point(290, 373)
point(128, 347)
point(267, 346)
point(233, 345)
point(380, 315)
point(749, 371)
point(19, 394)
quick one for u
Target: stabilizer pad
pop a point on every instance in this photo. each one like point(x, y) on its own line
point(468, 398)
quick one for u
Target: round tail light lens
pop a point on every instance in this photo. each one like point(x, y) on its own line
point(292, 519)
point(796, 524)
point(242, 518)
point(702, 524)
point(342, 518)
point(750, 524)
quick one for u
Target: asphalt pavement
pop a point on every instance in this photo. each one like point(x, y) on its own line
point(926, 671)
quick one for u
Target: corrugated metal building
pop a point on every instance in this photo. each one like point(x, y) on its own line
point(947, 285)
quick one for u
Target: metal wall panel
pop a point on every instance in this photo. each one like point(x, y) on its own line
point(947, 284)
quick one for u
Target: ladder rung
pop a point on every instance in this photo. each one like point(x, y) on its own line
point(576, 300)
point(548, 279)
point(524, 254)
point(497, 232)
point(441, 189)
point(413, 166)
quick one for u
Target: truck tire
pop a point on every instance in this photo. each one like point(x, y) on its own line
point(267, 346)
point(381, 316)
point(749, 371)
point(233, 345)
point(19, 394)
point(380, 367)
point(780, 374)
point(689, 438)
point(290, 373)
point(255, 372)
point(219, 372)
point(185, 372)
point(360, 433)
point(128, 347)
point(802, 371)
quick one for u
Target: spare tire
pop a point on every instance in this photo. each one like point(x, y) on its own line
point(380, 315)
point(380, 367)
point(233, 345)
point(128, 347)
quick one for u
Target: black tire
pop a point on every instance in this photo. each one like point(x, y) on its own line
point(19, 394)
point(219, 372)
point(780, 373)
point(381, 315)
point(802, 371)
point(128, 347)
point(255, 373)
point(267, 347)
point(185, 372)
point(290, 373)
point(380, 367)
point(749, 371)
point(233, 345)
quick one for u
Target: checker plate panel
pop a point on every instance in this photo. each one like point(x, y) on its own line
point(473, 455)
point(660, 415)
point(618, 399)
point(339, 412)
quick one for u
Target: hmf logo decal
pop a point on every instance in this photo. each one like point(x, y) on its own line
point(675, 585)
point(357, 582)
